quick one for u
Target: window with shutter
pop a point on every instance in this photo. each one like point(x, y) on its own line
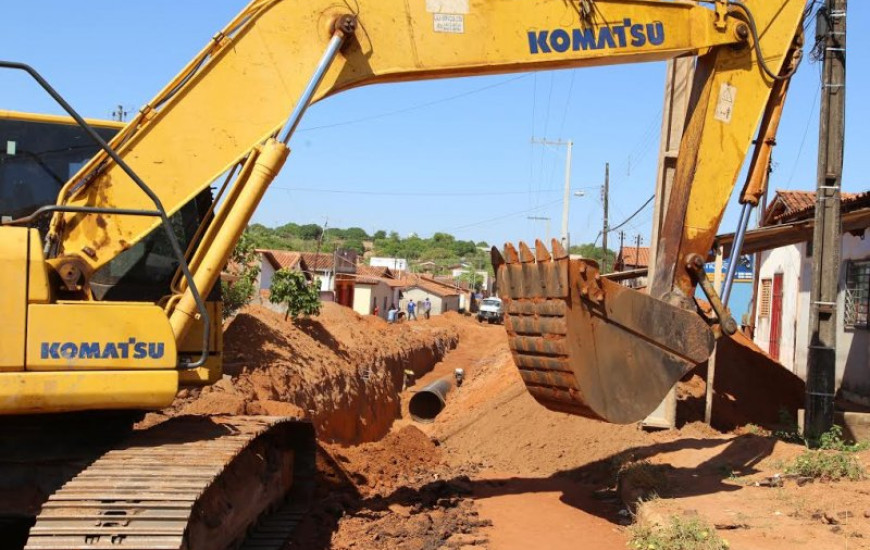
point(764, 300)
point(857, 294)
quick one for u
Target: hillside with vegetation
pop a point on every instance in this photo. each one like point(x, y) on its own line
point(441, 249)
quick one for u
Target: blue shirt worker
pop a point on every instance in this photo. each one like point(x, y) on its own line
point(412, 310)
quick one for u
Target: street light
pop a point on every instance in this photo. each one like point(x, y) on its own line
point(542, 219)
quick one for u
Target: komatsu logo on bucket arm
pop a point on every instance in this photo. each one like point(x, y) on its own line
point(635, 35)
point(103, 350)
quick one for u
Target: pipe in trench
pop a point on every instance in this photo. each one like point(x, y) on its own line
point(430, 401)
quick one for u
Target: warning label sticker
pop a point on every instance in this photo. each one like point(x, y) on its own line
point(450, 23)
point(725, 103)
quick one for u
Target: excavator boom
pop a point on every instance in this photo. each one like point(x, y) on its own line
point(80, 335)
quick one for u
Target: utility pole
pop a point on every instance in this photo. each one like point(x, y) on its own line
point(621, 248)
point(637, 241)
point(542, 219)
point(566, 198)
point(822, 353)
point(119, 115)
point(605, 192)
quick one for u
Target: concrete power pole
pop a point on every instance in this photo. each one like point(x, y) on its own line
point(621, 248)
point(566, 199)
point(605, 193)
point(822, 353)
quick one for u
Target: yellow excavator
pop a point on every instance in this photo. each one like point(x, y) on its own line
point(109, 290)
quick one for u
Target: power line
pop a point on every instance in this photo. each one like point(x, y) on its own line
point(804, 138)
point(505, 216)
point(625, 221)
point(636, 212)
point(407, 193)
point(414, 107)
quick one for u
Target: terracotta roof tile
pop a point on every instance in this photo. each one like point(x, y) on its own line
point(318, 261)
point(370, 271)
point(634, 256)
point(790, 206)
point(283, 259)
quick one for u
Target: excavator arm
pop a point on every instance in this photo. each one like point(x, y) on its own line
point(221, 115)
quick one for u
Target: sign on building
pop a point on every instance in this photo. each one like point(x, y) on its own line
point(744, 268)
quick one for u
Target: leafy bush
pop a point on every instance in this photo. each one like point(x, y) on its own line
point(292, 289)
point(832, 440)
point(827, 465)
point(237, 294)
point(680, 534)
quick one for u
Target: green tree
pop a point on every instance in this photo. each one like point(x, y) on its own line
point(355, 245)
point(436, 254)
point(379, 234)
point(310, 231)
point(237, 294)
point(292, 290)
point(357, 233)
point(474, 279)
point(596, 253)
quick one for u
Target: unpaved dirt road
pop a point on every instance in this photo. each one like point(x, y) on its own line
point(496, 470)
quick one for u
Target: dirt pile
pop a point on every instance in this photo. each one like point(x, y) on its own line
point(750, 388)
point(395, 493)
point(341, 369)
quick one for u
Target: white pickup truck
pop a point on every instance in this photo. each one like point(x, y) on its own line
point(490, 311)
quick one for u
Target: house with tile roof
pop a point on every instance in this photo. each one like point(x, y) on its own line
point(782, 292)
point(373, 291)
point(633, 257)
point(274, 260)
point(417, 288)
point(335, 271)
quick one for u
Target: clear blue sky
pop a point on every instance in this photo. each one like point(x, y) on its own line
point(467, 145)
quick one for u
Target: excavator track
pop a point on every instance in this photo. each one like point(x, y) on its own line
point(189, 483)
point(589, 346)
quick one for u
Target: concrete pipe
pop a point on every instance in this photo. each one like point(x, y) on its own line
point(429, 401)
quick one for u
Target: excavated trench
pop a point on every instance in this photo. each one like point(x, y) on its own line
point(341, 370)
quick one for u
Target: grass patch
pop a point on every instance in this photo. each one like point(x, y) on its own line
point(827, 465)
point(679, 534)
point(832, 440)
point(832, 460)
point(644, 477)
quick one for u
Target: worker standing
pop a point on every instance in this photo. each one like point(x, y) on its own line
point(391, 314)
point(412, 310)
point(427, 307)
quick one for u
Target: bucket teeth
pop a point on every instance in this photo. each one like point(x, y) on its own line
point(511, 254)
point(496, 258)
point(559, 252)
point(526, 255)
point(541, 252)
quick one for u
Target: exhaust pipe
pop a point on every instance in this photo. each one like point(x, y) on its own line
point(430, 401)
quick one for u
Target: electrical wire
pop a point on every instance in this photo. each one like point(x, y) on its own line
point(506, 216)
point(414, 107)
point(407, 193)
point(636, 212)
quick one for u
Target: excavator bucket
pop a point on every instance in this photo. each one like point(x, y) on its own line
point(587, 345)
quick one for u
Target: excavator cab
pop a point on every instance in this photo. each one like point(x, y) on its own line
point(38, 154)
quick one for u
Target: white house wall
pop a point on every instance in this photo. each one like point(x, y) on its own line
point(266, 273)
point(853, 344)
point(365, 293)
point(785, 260)
point(362, 299)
